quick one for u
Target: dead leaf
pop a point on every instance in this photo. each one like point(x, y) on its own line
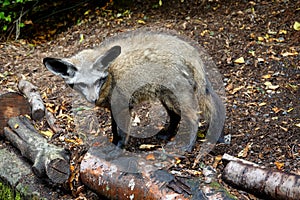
point(204, 32)
point(240, 60)
point(229, 87)
point(276, 109)
point(217, 161)
point(160, 3)
point(283, 128)
point(267, 83)
point(147, 146)
point(298, 125)
point(87, 12)
point(52, 32)
point(273, 87)
point(235, 90)
point(274, 58)
point(279, 165)
point(177, 160)
point(79, 141)
point(136, 121)
point(140, 21)
point(44, 96)
point(260, 60)
point(271, 32)
point(270, 86)
point(28, 116)
point(252, 3)
point(69, 140)
point(252, 52)
point(27, 22)
point(274, 118)
point(62, 116)
point(47, 133)
point(193, 172)
point(293, 87)
point(252, 35)
point(267, 76)
point(81, 38)
point(245, 151)
point(289, 53)
point(200, 134)
point(50, 110)
point(72, 168)
point(150, 157)
point(260, 39)
point(296, 26)
point(282, 32)
point(262, 104)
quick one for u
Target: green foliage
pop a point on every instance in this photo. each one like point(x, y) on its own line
point(7, 193)
point(11, 11)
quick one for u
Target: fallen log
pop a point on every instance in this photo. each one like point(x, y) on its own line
point(11, 105)
point(116, 174)
point(51, 122)
point(34, 98)
point(268, 183)
point(119, 174)
point(48, 160)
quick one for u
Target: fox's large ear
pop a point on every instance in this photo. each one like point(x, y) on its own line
point(60, 67)
point(103, 62)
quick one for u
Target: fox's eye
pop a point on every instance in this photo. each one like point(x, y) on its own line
point(100, 81)
point(71, 85)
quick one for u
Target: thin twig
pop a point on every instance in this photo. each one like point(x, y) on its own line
point(18, 21)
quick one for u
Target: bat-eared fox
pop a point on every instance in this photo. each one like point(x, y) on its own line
point(141, 65)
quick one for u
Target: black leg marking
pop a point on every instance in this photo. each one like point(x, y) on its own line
point(170, 130)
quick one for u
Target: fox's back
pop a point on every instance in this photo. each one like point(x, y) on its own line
point(169, 52)
point(142, 40)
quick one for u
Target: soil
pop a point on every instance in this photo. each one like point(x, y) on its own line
point(253, 43)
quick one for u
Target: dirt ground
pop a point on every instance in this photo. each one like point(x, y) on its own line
point(253, 43)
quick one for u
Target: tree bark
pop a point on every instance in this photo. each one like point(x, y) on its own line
point(48, 160)
point(265, 182)
point(34, 98)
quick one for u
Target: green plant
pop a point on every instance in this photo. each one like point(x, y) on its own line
point(11, 14)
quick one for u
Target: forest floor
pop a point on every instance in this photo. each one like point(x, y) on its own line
point(254, 44)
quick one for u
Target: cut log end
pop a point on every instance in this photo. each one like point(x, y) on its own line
point(49, 160)
point(58, 170)
point(11, 105)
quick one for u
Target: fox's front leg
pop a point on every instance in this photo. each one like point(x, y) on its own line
point(120, 131)
point(114, 129)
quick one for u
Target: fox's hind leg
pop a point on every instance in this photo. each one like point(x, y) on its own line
point(170, 130)
point(170, 102)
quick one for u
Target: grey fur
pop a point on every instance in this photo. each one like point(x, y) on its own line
point(145, 65)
